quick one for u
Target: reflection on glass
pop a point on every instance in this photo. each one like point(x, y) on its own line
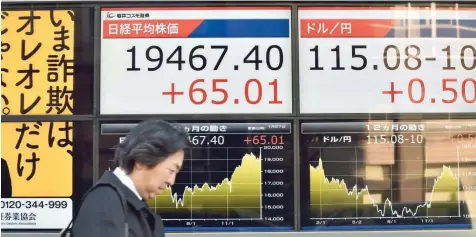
point(388, 173)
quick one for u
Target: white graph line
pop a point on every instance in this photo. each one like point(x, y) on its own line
point(377, 217)
point(180, 202)
point(405, 210)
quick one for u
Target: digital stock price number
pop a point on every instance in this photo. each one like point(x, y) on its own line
point(236, 176)
point(388, 174)
point(208, 60)
point(387, 61)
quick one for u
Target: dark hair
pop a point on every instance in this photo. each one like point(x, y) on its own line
point(150, 142)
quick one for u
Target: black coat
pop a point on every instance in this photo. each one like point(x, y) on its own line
point(102, 214)
point(6, 181)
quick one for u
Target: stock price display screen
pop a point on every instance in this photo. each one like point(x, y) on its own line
point(196, 60)
point(387, 174)
point(237, 176)
point(387, 60)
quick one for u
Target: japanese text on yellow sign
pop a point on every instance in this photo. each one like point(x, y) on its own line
point(37, 62)
point(39, 158)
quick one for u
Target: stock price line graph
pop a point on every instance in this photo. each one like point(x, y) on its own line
point(392, 180)
point(335, 192)
point(236, 176)
point(242, 191)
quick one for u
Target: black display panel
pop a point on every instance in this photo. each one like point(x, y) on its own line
point(387, 174)
point(237, 176)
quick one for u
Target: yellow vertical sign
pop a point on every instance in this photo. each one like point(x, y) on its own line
point(38, 158)
point(37, 62)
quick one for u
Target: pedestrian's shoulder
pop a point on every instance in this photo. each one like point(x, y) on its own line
point(101, 197)
point(100, 214)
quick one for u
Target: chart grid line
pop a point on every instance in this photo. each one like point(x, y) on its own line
point(260, 157)
point(229, 186)
point(383, 217)
point(426, 180)
point(218, 219)
point(356, 182)
point(191, 182)
point(459, 191)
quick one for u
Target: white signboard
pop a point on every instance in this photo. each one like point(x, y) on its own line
point(387, 60)
point(36, 213)
point(196, 60)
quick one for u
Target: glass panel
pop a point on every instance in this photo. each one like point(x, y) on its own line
point(46, 168)
point(47, 61)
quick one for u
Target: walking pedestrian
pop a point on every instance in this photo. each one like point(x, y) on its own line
point(148, 160)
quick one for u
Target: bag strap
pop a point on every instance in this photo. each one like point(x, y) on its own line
point(121, 198)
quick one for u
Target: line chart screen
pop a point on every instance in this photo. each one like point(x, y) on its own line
point(388, 174)
point(236, 176)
